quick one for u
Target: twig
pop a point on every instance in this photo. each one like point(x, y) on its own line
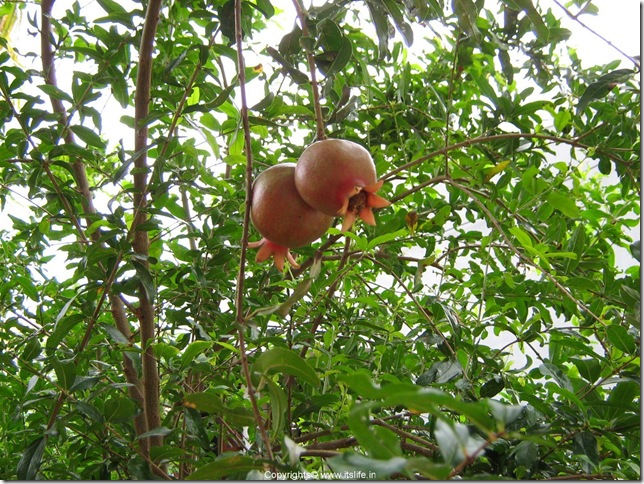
point(499, 137)
point(319, 119)
point(520, 254)
point(576, 19)
point(239, 297)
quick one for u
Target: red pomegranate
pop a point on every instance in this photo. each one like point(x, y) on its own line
point(280, 215)
point(338, 177)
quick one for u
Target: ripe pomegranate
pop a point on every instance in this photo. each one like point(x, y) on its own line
point(338, 177)
point(280, 215)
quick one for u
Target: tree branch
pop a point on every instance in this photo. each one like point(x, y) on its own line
point(239, 297)
point(82, 185)
point(319, 119)
point(499, 137)
point(140, 241)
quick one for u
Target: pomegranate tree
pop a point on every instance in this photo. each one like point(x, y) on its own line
point(279, 214)
point(338, 177)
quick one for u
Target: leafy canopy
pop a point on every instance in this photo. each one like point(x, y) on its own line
point(487, 326)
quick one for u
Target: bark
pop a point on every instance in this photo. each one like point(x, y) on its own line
point(140, 241)
point(82, 185)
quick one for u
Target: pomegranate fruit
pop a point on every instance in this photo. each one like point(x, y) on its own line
point(283, 219)
point(338, 177)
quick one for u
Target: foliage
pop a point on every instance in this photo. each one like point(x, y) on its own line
point(487, 327)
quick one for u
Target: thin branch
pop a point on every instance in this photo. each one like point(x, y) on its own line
point(239, 297)
point(499, 137)
point(520, 254)
point(576, 19)
point(319, 119)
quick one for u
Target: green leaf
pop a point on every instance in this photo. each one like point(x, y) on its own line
point(28, 287)
point(396, 12)
point(90, 411)
point(381, 24)
point(540, 28)
point(65, 372)
point(522, 236)
point(110, 7)
point(147, 282)
point(379, 442)
point(602, 86)
point(620, 338)
point(88, 136)
point(282, 360)
point(119, 409)
point(589, 368)
point(636, 250)
point(384, 238)
point(576, 244)
point(157, 432)
point(548, 369)
point(455, 442)
point(279, 408)
point(193, 350)
point(225, 466)
point(55, 93)
point(63, 329)
point(564, 204)
point(467, 13)
point(492, 386)
point(31, 460)
point(585, 444)
point(353, 466)
point(211, 403)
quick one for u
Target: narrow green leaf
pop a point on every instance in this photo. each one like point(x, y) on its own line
point(384, 238)
point(620, 338)
point(90, 411)
point(193, 350)
point(602, 86)
point(110, 6)
point(522, 236)
point(65, 372)
point(88, 136)
point(576, 244)
point(28, 287)
point(84, 383)
point(31, 460)
point(147, 282)
point(492, 386)
point(564, 204)
point(382, 29)
point(55, 93)
point(286, 361)
point(540, 28)
point(157, 432)
point(395, 9)
point(585, 444)
point(62, 329)
point(455, 442)
point(467, 13)
point(353, 466)
point(225, 466)
point(279, 408)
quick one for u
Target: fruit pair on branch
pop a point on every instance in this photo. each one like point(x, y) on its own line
point(294, 204)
